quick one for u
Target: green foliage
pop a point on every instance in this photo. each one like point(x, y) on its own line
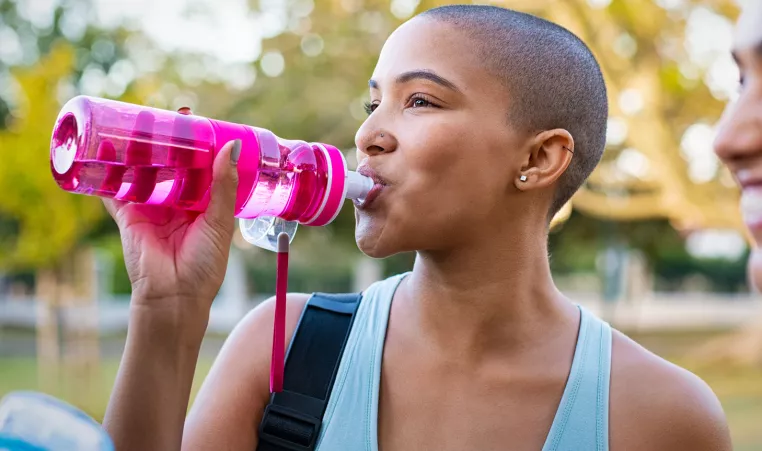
point(40, 221)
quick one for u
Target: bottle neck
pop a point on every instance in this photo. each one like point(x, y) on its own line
point(358, 186)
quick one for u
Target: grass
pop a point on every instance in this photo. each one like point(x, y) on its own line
point(739, 389)
point(87, 390)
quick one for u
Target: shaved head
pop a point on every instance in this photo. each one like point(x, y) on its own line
point(552, 78)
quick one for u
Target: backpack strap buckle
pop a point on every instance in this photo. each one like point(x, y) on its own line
point(288, 429)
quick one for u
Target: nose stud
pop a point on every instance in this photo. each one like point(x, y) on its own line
point(382, 135)
point(523, 178)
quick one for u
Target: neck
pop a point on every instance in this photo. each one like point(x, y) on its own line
point(494, 295)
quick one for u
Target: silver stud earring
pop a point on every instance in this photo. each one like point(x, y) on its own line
point(523, 178)
point(382, 135)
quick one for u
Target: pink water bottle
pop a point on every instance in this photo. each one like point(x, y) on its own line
point(146, 155)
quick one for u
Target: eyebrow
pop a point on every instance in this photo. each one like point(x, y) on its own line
point(420, 75)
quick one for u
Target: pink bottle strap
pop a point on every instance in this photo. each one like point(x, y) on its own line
point(279, 320)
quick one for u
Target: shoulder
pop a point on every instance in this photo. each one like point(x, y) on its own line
point(232, 398)
point(254, 332)
point(250, 343)
point(265, 312)
point(657, 405)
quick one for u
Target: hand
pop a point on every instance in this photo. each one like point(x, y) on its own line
point(176, 259)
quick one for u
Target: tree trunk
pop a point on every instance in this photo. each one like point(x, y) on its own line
point(48, 296)
point(81, 337)
point(67, 329)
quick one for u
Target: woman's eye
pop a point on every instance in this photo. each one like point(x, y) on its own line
point(419, 101)
point(370, 107)
point(414, 102)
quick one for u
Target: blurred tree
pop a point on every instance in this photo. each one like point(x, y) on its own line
point(310, 82)
point(50, 53)
point(656, 86)
point(45, 222)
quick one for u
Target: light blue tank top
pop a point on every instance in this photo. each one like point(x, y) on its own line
point(351, 417)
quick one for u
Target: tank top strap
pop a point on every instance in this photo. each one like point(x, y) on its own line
point(351, 417)
point(581, 421)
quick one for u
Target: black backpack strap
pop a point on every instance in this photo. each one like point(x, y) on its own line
point(293, 418)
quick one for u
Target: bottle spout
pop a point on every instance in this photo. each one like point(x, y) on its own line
point(358, 186)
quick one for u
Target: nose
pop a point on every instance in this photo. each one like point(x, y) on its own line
point(372, 139)
point(740, 130)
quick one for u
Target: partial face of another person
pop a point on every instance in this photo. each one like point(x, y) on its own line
point(438, 141)
point(739, 141)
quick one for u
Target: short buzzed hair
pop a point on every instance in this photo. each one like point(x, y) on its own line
point(552, 77)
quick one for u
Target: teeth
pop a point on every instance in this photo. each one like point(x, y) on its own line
point(751, 205)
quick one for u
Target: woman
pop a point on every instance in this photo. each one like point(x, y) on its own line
point(483, 122)
point(739, 141)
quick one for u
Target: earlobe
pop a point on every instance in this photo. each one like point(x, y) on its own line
point(521, 182)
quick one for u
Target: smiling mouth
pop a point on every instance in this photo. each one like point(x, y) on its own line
point(751, 206)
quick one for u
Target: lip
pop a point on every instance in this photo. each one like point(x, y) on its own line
point(751, 201)
point(747, 179)
point(370, 197)
point(751, 184)
point(379, 183)
point(368, 171)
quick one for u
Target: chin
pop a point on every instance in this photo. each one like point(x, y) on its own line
point(380, 239)
point(755, 270)
point(373, 246)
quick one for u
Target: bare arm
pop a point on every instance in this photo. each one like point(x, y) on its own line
point(228, 408)
point(176, 261)
point(150, 397)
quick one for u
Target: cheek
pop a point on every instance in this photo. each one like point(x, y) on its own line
point(449, 153)
point(755, 270)
point(450, 171)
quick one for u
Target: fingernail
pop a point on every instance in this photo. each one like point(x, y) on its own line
point(236, 152)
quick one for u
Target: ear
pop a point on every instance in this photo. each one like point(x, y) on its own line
point(550, 154)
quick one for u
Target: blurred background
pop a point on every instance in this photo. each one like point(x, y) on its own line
point(653, 243)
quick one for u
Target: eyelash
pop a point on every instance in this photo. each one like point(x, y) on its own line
point(371, 107)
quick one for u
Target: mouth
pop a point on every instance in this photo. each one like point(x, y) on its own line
point(751, 206)
point(748, 178)
point(379, 184)
point(748, 182)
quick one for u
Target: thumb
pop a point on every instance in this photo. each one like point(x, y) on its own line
point(221, 209)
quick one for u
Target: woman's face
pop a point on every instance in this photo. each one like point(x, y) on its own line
point(438, 142)
point(739, 141)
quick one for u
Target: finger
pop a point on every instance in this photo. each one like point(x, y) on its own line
point(221, 210)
